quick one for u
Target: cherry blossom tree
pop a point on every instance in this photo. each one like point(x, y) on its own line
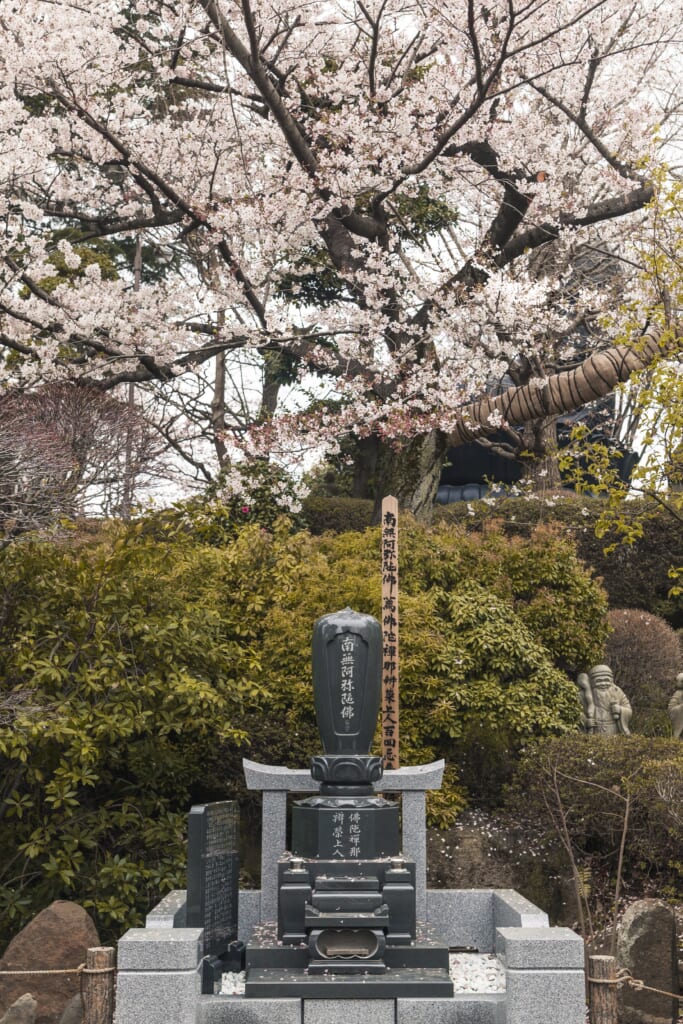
point(348, 196)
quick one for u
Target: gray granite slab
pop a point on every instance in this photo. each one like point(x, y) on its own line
point(273, 838)
point(249, 913)
point(534, 997)
point(510, 910)
point(462, 1008)
point(156, 997)
point(349, 1011)
point(238, 1010)
point(421, 777)
point(160, 949)
point(275, 777)
point(462, 917)
point(414, 829)
point(298, 780)
point(169, 912)
point(540, 948)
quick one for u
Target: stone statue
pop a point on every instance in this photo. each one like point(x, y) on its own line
point(606, 708)
point(676, 708)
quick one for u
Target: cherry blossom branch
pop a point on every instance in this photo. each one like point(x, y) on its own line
point(580, 121)
point(605, 209)
point(166, 189)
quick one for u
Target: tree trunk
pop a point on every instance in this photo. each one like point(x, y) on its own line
point(542, 469)
point(218, 405)
point(411, 473)
point(365, 460)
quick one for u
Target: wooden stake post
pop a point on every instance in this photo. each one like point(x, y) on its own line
point(390, 632)
point(98, 985)
point(602, 989)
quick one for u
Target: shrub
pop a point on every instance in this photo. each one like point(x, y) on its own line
point(124, 665)
point(634, 575)
point(645, 656)
point(250, 494)
point(586, 779)
point(336, 515)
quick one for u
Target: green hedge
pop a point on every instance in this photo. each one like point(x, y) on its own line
point(138, 666)
point(336, 515)
point(634, 575)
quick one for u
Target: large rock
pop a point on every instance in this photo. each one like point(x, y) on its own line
point(73, 1011)
point(56, 938)
point(647, 947)
point(23, 1011)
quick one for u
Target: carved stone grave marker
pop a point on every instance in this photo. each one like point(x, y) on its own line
point(213, 873)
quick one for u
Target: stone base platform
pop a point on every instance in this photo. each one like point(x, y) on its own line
point(264, 951)
point(159, 971)
point(462, 1008)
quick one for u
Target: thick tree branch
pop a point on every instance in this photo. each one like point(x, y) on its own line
point(258, 73)
point(596, 377)
point(514, 204)
point(606, 209)
point(98, 227)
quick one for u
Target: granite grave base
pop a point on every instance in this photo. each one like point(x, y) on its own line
point(160, 966)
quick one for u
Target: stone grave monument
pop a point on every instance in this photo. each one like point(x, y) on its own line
point(343, 929)
point(346, 921)
point(213, 869)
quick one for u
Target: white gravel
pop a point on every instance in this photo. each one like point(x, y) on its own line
point(471, 972)
point(232, 984)
point(477, 972)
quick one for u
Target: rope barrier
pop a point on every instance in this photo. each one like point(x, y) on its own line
point(624, 977)
point(81, 969)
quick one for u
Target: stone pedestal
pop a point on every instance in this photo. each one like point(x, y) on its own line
point(275, 782)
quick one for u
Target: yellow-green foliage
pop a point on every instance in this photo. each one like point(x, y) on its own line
point(123, 664)
point(138, 666)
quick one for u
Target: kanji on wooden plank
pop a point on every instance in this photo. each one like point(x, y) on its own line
point(390, 737)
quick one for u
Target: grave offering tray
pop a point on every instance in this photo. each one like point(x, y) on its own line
point(346, 895)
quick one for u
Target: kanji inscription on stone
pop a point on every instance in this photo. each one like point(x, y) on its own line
point(213, 873)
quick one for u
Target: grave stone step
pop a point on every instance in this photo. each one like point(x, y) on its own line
point(403, 982)
point(347, 919)
point(325, 883)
